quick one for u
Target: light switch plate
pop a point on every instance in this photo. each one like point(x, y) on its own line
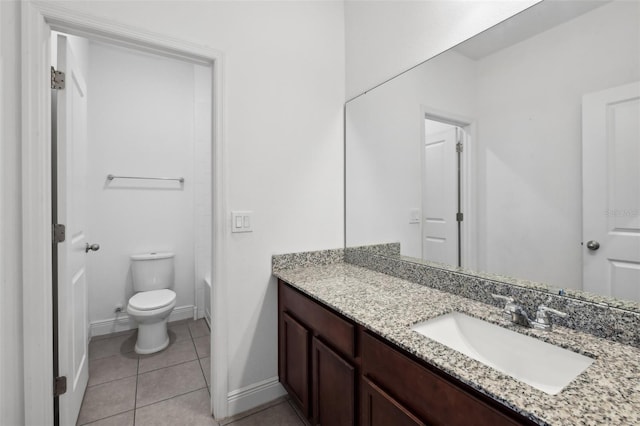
point(241, 221)
point(414, 216)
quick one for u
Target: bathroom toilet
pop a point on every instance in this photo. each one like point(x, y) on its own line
point(153, 301)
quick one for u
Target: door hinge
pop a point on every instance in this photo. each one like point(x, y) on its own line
point(57, 79)
point(59, 385)
point(59, 231)
point(459, 147)
point(459, 217)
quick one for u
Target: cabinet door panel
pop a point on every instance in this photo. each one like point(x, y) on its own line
point(380, 409)
point(295, 362)
point(333, 387)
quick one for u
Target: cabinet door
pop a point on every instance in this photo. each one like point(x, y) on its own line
point(295, 361)
point(380, 409)
point(333, 387)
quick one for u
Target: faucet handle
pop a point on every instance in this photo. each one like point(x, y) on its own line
point(543, 320)
point(509, 305)
point(507, 299)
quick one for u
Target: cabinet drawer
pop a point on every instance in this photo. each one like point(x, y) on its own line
point(339, 333)
point(425, 393)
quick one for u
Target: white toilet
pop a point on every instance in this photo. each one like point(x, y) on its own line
point(153, 276)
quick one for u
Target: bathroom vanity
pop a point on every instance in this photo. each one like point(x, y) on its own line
point(338, 372)
point(348, 356)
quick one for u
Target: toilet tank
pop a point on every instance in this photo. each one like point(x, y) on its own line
point(152, 271)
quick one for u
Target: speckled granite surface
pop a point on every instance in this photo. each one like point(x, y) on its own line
point(597, 315)
point(607, 393)
point(309, 258)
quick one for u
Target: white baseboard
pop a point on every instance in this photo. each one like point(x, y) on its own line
point(244, 399)
point(123, 323)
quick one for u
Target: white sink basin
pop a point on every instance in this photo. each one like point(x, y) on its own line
point(544, 366)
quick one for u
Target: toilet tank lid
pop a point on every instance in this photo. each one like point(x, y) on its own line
point(151, 256)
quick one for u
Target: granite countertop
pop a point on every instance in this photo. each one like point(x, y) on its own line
point(607, 393)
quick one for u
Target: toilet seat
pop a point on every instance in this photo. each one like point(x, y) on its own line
point(151, 300)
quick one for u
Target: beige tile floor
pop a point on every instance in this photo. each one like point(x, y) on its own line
point(167, 388)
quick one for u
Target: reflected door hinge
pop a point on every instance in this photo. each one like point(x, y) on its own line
point(57, 79)
point(59, 232)
point(459, 217)
point(59, 385)
point(459, 147)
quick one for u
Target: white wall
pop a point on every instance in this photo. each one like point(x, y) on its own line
point(140, 123)
point(385, 38)
point(529, 158)
point(385, 147)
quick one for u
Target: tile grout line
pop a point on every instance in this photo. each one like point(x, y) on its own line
point(138, 374)
point(251, 413)
point(105, 418)
point(171, 397)
point(170, 365)
point(144, 372)
point(135, 395)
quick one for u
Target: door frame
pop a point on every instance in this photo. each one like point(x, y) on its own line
point(37, 19)
point(468, 191)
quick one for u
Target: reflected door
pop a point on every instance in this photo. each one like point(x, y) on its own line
point(440, 195)
point(611, 192)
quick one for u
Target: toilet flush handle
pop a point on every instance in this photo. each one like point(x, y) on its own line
point(92, 247)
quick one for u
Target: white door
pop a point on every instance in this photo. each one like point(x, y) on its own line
point(71, 107)
point(611, 192)
point(439, 197)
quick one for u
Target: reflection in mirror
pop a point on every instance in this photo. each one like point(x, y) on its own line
point(545, 109)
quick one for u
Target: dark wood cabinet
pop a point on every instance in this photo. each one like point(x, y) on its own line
point(377, 408)
point(295, 360)
point(334, 387)
point(432, 397)
point(339, 374)
point(316, 359)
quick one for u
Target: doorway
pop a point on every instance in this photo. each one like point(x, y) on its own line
point(133, 174)
point(38, 20)
point(446, 191)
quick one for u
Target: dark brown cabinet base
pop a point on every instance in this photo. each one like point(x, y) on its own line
point(316, 359)
point(341, 374)
point(334, 387)
point(295, 353)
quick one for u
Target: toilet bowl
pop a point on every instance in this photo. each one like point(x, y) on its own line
point(153, 302)
point(151, 309)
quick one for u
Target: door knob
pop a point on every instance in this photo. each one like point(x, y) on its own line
point(92, 247)
point(593, 245)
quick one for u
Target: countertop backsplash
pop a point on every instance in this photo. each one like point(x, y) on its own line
point(593, 317)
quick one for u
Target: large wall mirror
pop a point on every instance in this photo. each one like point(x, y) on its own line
point(515, 153)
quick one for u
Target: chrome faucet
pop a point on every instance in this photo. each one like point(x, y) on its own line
point(513, 311)
point(517, 315)
point(543, 320)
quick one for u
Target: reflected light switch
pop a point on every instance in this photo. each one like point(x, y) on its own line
point(414, 216)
